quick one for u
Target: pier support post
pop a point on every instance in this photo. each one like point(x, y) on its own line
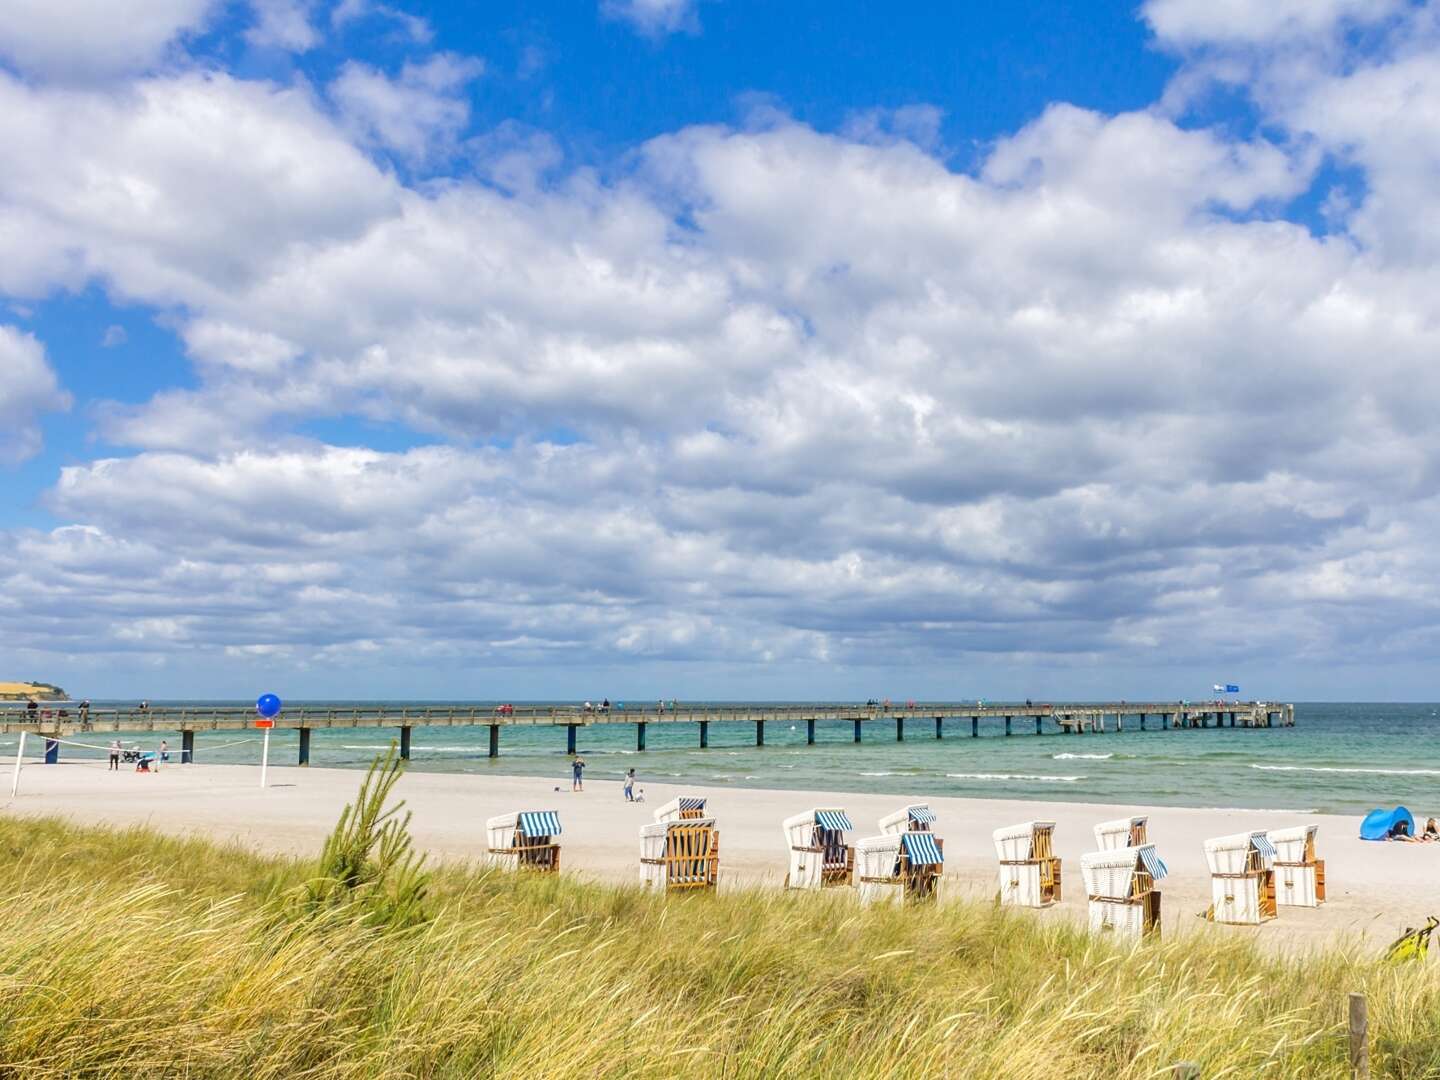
point(1142, 721)
point(857, 730)
point(704, 734)
point(1007, 725)
point(1038, 729)
point(1119, 723)
point(899, 729)
point(1232, 719)
point(570, 738)
point(809, 732)
point(494, 740)
point(404, 744)
point(640, 735)
point(759, 732)
point(187, 747)
point(939, 727)
point(974, 727)
point(52, 749)
point(1164, 721)
point(302, 759)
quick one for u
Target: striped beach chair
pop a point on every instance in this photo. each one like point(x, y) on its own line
point(684, 808)
point(1242, 878)
point(1121, 833)
point(1299, 875)
point(820, 858)
point(1120, 883)
point(917, 817)
point(524, 840)
point(680, 855)
point(898, 867)
point(1029, 868)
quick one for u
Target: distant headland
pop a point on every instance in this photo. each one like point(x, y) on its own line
point(31, 691)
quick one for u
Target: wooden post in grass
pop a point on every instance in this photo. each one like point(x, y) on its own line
point(1359, 1038)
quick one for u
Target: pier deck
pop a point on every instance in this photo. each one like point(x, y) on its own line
point(53, 722)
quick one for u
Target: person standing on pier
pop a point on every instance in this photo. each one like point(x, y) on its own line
point(577, 774)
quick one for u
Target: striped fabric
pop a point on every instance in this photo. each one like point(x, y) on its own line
point(921, 849)
point(540, 823)
point(1263, 845)
point(833, 819)
point(922, 815)
point(690, 802)
point(1154, 865)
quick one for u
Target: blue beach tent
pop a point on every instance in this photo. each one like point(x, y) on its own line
point(1378, 823)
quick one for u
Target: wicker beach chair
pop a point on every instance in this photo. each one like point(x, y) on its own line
point(680, 855)
point(1120, 884)
point(898, 867)
point(524, 841)
point(1242, 878)
point(1029, 868)
point(683, 808)
point(1121, 833)
point(819, 856)
point(1299, 875)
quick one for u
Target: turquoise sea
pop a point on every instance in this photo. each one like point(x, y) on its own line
point(1339, 758)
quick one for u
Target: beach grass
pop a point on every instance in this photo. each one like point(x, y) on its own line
point(123, 953)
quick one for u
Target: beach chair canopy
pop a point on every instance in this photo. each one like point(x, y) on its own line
point(835, 820)
point(539, 823)
point(1379, 823)
point(1120, 827)
point(1297, 835)
point(1228, 854)
point(1108, 873)
point(921, 814)
point(917, 815)
point(684, 804)
point(921, 849)
point(1017, 841)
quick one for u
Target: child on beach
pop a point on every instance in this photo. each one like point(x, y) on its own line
point(577, 782)
point(630, 786)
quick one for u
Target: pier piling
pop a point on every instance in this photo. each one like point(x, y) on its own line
point(640, 735)
point(939, 727)
point(704, 734)
point(494, 740)
point(1038, 730)
point(303, 758)
point(899, 729)
point(570, 738)
point(857, 730)
point(187, 746)
point(759, 732)
point(809, 732)
point(404, 744)
point(1007, 725)
point(974, 727)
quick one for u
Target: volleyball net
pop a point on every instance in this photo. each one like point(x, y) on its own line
point(118, 756)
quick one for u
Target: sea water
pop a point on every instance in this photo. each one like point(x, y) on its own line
point(1339, 758)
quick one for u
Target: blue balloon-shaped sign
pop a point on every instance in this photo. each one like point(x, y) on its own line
point(267, 705)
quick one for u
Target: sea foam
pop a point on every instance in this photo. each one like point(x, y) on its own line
point(1347, 769)
point(1014, 776)
point(1082, 757)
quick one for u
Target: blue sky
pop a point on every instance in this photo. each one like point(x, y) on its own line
point(718, 349)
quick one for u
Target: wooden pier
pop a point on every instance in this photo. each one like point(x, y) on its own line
point(921, 719)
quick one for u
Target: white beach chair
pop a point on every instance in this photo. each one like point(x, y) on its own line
point(898, 867)
point(1029, 869)
point(1121, 833)
point(683, 808)
point(1120, 883)
point(917, 817)
point(1242, 878)
point(819, 856)
point(524, 840)
point(680, 854)
point(1299, 875)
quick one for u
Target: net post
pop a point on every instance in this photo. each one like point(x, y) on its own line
point(265, 757)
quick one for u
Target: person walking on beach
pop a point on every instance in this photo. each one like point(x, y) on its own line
point(114, 755)
point(577, 774)
point(630, 787)
point(164, 750)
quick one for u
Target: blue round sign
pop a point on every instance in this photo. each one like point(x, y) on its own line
point(267, 705)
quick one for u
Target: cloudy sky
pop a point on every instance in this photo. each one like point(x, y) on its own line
point(719, 348)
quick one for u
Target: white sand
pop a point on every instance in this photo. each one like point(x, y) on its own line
point(1374, 889)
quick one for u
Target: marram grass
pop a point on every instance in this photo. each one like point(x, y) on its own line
point(125, 954)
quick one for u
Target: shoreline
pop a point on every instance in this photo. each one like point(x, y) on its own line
point(1376, 890)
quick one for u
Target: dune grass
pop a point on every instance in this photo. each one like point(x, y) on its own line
point(126, 954)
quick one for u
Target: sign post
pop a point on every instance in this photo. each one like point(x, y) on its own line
point(268, 707)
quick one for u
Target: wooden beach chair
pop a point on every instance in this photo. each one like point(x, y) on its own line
point(680, 855)
point(684, 808)
point(1121, 833)
point(1029, 868)
point(524, 840)
point(819, 856)
point(1299, 875)
point(898, 867)
point(1120, 883)
point(1242, 878)
point(917, 817)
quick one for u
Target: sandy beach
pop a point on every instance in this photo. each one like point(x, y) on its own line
point(1375, 890)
